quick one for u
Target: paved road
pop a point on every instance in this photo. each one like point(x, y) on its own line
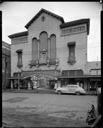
point(45, 109)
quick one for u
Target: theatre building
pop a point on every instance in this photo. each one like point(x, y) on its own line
point(49, 50)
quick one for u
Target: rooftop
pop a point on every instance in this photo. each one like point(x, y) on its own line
point(25, 33)
point(76, 22)
point(47, 12)
point(4, 44)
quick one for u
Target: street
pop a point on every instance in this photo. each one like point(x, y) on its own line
point(48, 110)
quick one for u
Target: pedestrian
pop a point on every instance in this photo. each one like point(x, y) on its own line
point(56, 86)
point(91, 115)
point(29, 86)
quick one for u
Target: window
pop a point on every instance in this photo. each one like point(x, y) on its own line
point(43, 40)
point(19, 63)
point(43, 47)
point(17, 74)
point(34, 49)
point(43, 18)
point(71, 58)
point(3, 64)
point(53, 46)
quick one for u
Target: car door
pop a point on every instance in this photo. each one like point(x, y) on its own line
point(71, 89)
point(65, 90)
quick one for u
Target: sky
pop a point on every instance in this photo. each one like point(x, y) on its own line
point(15, 15)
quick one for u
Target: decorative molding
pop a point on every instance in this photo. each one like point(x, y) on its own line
point(33, 63)
point(17, 43)
point(48, 62)
point(72, 61)
point(19, 51)
point(19, 65)
point(73, 30)
point(43, 51)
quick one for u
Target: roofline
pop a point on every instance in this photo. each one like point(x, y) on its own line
point(46, 11)
point(6, 44)
point(77, 22)
point(25, 33)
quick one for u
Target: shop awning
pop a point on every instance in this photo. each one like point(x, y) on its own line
point(41, 76)
point(83, 76)
point(38, 75)
point(15, 78)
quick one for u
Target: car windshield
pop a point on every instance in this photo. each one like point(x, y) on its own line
point(72, 86)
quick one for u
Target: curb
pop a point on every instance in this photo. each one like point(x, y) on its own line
point(41, 91)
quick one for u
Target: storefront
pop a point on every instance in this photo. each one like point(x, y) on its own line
point(34, 79)
point(88, 82)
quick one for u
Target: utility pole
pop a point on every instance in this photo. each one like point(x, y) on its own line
point(97, 66)
point(97, 72)
point(5, 72)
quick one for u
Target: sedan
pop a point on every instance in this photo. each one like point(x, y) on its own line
point(71, 89)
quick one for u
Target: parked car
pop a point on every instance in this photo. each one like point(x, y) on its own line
point(99, 90)
point(71, 89)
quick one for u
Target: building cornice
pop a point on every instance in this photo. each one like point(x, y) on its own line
point(75, 23)
point(25, 33)
point(6, 45)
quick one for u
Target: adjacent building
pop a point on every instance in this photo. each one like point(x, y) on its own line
point(6, 64)
point(51, 49)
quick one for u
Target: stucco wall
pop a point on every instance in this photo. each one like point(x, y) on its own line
point(52, 26)
point(26, 56)
point(19, 40)
point(94, 68)
point(80, 51)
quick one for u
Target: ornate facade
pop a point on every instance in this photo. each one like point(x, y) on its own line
point(50, 47)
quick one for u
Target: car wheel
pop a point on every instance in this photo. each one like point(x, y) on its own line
point(59, 92)
point(77, 93)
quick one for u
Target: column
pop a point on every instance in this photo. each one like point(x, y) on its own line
point(38, 42)
point(48, 48)
point(85, 84)
point(18, 85)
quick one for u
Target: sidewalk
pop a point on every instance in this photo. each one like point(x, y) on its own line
point(39, 90)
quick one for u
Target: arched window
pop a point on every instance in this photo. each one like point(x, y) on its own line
point(19, 53)
point(71, 47)
point(34, 49)
point(53, 46)
point(43, 41)
point(43, 47)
